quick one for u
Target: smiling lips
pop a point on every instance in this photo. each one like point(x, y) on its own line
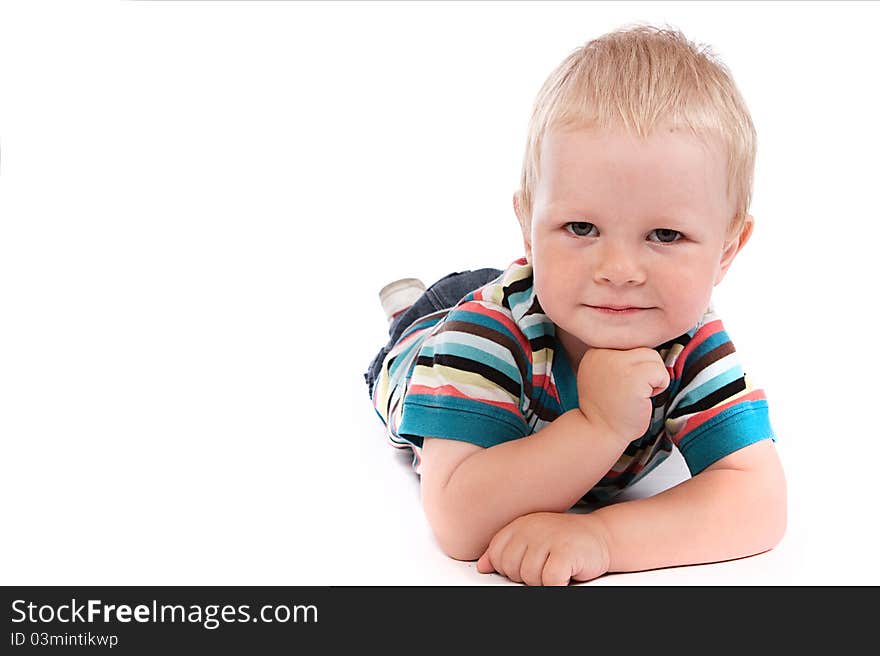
point(617, 309)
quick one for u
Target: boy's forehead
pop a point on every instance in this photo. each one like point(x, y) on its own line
point(618, 148)
point(670, 167)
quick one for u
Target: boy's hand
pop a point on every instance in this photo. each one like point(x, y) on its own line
point(547, 548)
point(615, 389)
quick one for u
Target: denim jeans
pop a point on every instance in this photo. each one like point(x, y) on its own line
point(443, 294)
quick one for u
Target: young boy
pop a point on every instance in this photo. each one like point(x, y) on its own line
point(600, 346)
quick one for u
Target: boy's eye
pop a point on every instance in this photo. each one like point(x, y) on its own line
point(666, 236)
point(580, 228)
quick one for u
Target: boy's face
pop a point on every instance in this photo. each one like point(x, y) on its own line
point(628, 222)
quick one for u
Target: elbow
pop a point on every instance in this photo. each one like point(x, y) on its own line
point(456, 536)
point(459, 549)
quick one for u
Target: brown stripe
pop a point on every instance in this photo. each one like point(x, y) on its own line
point(693, 368)
point(545, 413)
point(722, 393)
point(499, 338)
point(468, 365)
point(534, 308)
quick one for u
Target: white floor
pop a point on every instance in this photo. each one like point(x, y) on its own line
point(400, 549)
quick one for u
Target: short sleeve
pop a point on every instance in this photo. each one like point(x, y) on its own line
point(467, 381)
point(714, 409)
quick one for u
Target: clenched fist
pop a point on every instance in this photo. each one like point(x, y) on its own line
point(615, 389)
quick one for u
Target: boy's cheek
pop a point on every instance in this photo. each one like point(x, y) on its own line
point(553, 289)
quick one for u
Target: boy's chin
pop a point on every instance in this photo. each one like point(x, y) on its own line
point(621, 345)
point(622, 342)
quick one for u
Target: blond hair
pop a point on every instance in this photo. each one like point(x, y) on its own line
point(642, 77)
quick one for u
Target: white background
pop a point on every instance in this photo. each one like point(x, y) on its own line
point(200, 201)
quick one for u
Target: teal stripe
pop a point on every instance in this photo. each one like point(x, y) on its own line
point(726, 432)
point(483, 320)
point(520, 297)
point(458, 419)
point(472, 353)
point(711, 342)
point(421, 324)
point(536, 330)
point(406, 356)
point(710, 386)
point(564, 377)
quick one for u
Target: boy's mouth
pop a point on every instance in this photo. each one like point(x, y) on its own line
point(617, 309)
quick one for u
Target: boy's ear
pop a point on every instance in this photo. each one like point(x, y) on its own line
point(523, 225)
point(734, 245)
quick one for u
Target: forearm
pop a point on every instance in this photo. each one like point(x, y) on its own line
point(547, 471)
point(718, 515)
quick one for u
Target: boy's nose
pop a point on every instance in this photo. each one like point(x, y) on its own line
point(617, 266)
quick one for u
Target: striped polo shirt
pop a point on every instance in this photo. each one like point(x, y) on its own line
point(490, 369)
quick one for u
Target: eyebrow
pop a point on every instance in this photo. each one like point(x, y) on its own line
point(677, 218)
point(660, 218)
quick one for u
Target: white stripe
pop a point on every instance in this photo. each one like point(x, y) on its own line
point(477, 342)
point(729, 361)
point(522, 307)
point(423, 376)
point(533, 320)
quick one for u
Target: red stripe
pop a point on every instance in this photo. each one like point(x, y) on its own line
point(704, 333)
point(542, 381)
point(501, 318)
point(449, 390)
point(701, 418)
point(405, 340)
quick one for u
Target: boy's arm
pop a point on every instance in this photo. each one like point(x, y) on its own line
point(469, 492)
point(468, 500)
point(734, 508)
